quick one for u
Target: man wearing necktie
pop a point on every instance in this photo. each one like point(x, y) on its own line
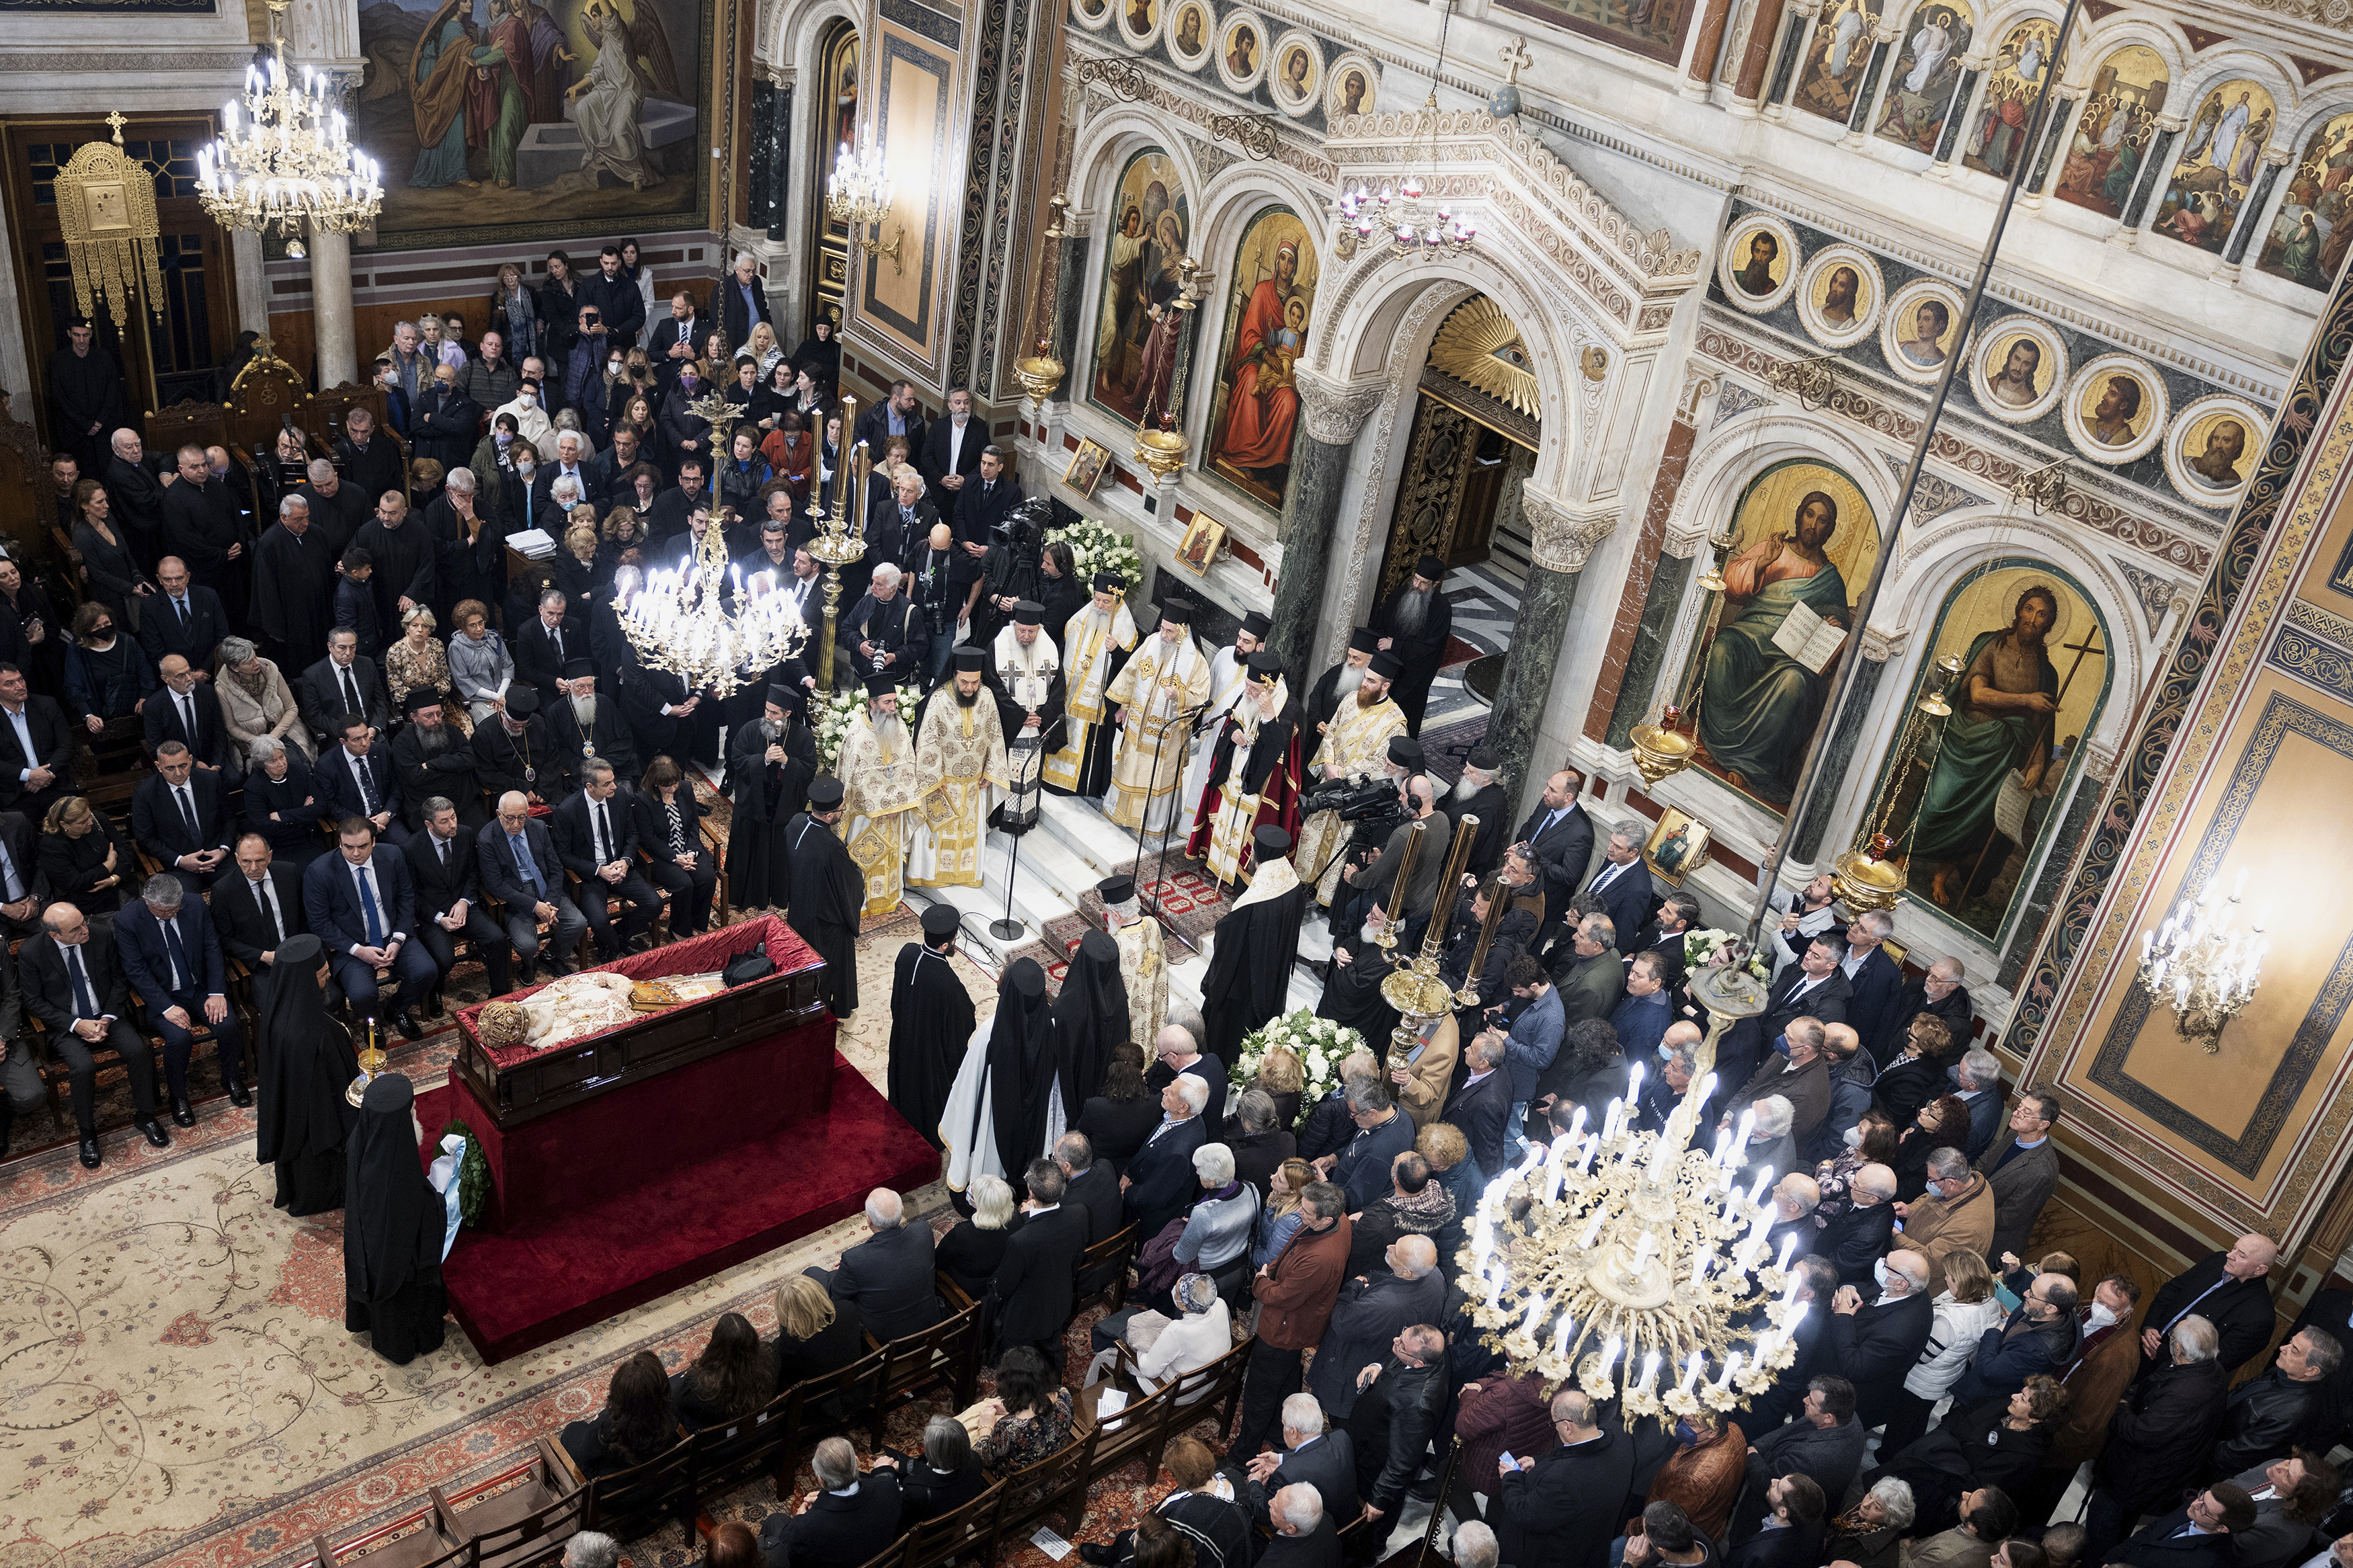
point(520, 868)
point(345, 681)
point(260, 907)
point(361, 904)
point(36, 747)
point(359, 781)
point(188, 711)
point(598, 844)
point(1558, 841)
point(173, 960)
point(178, 814)
point(73, 984)
point(449, 899)
point(981, 508)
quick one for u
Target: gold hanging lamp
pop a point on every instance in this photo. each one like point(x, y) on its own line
point(106, 205)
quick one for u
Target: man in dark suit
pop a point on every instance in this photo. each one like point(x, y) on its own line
point(1793, 1535)
point(20, 895)
point(949, 455)
point(1939, 992)
point(1873, 1345)
point(1311, 1455)
point(445, 423)
point(449, 900)
point(850, 1520)
point(1481, 1106)
point(1161, 1182)
point(742, 301)
point(981, 506)
point(1304, 1534)
point(547, 643)
point(1622, 882)
point(676, 340)
point(2197, 1536)
point(172, 958)
point(613, 294)
point(362, 906)
point(201, 529)
point(36, 747)
point(185, 619)
point(896, 416)
point(190, 713)
point(135, 494)
point(1560, 1507)
point(1560, 836)
point(1874, 981)
point(1977, 1082)
point(519, 866)
point(1813, 987)
point(889, 1274)
point(259, 908)
point(667, 521)
point(74, 985)
point(1854, 1240)
point(368, 457)
point(2230, 1290)
point(345, 681)
point(596, 839)
point(357, 777)
point(606, 488)
point(179, 814)
point(1032, 1287)
point(2023, 1165)
point(1092, 1185)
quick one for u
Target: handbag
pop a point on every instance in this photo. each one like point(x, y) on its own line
point(746, 967)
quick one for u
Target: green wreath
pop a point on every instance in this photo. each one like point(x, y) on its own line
point(473, 1174)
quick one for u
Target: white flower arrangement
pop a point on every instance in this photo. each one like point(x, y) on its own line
point(835, 712)
point(1320, 1045)
point(1095, 548)
point(1700, 947)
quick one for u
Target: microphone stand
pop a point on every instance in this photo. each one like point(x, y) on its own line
point(1009, 929)
point(1192, 722)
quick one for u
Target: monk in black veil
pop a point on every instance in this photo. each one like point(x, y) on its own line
point(931, 1020)
point(307, 1063)
point(994, 1123)
point(770, 762)
point(393, 1225)
point(1090, 1018)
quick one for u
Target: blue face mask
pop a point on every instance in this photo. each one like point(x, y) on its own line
point(1666, 1053)
point(1686, 1433)
point(1780, 1045)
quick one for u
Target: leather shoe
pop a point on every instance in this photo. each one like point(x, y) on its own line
point(433, 1003)
point(238, 1095)
point(526, 975)
point(89, 1156)
point(183, 1113)
point(1094, 1552)
point(408, 1024)
point(152, 1130)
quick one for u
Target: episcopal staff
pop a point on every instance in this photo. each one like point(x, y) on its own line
point(1095, 644)
point(1254, 774)
point(827, 892)
point(1249, 977)
point(960, 775)
point(1158, 691)
point(931, 1022)
point(1142, 956)
point(769, 765)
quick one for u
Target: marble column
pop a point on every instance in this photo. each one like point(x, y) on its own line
point(2152, 169)
point(1636, 697)
point(1838, 751)
point(1331, 413)
point(330, 309)
point(1712, 23)
point(1070, 297)
point(1562, 540)
point(780, 146)
point(761, 213)
point(252, 281)
point(2057, 121)
point(1763, 34)
point(1866, 96)
point(2251, 213)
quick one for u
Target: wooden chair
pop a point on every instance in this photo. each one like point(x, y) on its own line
point(819, 1407)
point(521, 1525)
point(408, 1551)
point(740, 1452)
point(439, 1545)
point(1115, 1253)
point(1055, 1487)
point(640, 1500)
point(1218, 1384)
point(946, 1355)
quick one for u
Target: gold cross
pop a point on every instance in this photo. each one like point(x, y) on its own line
point(1515, 59)
point(117, 121)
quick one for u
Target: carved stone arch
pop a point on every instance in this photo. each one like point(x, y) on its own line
point(2327, 102)
point(2105, 38)
point(1722, 466)
point(2204, 73)
point(1109, 140)
point(793, 36)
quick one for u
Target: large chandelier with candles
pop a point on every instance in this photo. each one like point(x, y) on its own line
point(1634, 1266)
point(701, 621)
point(2202, 966)
point(286, 162)
point(860, 193)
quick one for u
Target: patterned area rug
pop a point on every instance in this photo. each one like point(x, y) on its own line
point(1447, 747)
point(1190, 903)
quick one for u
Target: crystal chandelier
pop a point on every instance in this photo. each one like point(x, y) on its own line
point(289, 164)
point(2200, 965)
point(859, 193)
point(1633, 1265)
point(698, 622)
point(1397, 209)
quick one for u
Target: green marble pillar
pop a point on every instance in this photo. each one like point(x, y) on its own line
point(1529, 666)
point(1330, 414)
point(1838, 756)
point(1634, 689)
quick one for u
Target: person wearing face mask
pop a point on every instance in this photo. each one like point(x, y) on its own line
point(2106, 1358)
point(1793, 1232)
point(1957, 1213)
point(2040, 1337)
point(1873, 1344)
point(531, 422)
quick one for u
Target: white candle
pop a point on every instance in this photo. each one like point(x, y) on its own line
point(1764, 1179)
point(1692, 1370)
point(1560, 1337)
point(1649, 1372)
point(1535, 1313)
point(1643, 1251)
point(1593, 1232)
point(1610, 1355)
point(1731, 1365)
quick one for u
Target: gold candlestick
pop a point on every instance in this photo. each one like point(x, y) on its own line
point(841, 541)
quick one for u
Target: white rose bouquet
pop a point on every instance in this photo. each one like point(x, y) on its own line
point(1320, 1045)
point(1701, 948)
point(1095, 548)
point(834, 713)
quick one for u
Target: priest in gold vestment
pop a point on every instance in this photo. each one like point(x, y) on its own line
point(1095, 642)
point(1143, 959)
point(1159, 692)
point(878, 773)
point(959, 776)
point(1355, 746)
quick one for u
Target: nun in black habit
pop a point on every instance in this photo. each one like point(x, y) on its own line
point(393, 1225)
point(307, 1063)
point(1254, 945)
point(932, 1022)
point(828, 893)
point(997, 1119)
point(1091, 1017)
point(770, 762)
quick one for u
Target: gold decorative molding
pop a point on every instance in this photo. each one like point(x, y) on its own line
point(1479, 346)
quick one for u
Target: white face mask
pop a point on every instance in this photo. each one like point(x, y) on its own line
point(1879, 1271)
point(2100, 1318)
point(613, 366)
point(1854, 1136)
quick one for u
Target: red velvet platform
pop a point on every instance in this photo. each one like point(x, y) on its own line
point(582, 1262)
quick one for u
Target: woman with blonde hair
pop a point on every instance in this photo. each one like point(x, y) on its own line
point(975, 1248)
point(624, 540)
point(82, 860)
point(1284, 1079)
point(815, 1333)
point(576, 564)
point(763, 349)
point(1280, 1216)
point(418, 660)
point(1965, 1308)
point(256, 701)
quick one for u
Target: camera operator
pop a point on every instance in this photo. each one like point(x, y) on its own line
point(1009, 573)
point(1375, 881)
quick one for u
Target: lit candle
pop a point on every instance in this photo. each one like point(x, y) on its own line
point(1642, 1250)
point(1723, 1146)
point(1634, 1085)
point(1649, 1372)
point(1560, 1337)
point(1577, 1123)
point(1536, 1313)
point(1731, 1365)
point(1701, 1258)
point(1747, 1124)
point(1592, 1232)
point(1610, 1355)
point(1789, 1244)
point(1764, 1179)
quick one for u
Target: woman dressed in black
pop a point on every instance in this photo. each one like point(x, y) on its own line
point(393, 1224)
point(307, 1062)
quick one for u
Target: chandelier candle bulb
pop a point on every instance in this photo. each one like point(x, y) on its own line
point(1642, 1250)
point(1650, 1374)
point(1764, 1180)
point(1593, 1232)
point(1560, 1337)
point(1535, 1315)
point(1691, 1371)
point(1609, 1356)
point(1731, 1366)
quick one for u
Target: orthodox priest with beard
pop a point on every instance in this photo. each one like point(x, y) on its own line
point(931, 1022)
point(1025, 674)
point(878, 771)
point(1142, 957)
point(959, 778)
point(1352, 988)
point(1005, 1108)
point(1254, 772)
point(587, 726)
point(1356, 744)
point(1095, 644)
point(770, 762)
point(826, 890)
point(1337, 684)
point(1414, 626)
point(1248, 978)
point(1229, 666)
point(1160, 690)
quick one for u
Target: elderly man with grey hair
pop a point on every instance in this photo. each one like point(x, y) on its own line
point(1304, 1534)
point(884, 633)
point(1315, 1453)
point(849, 1519)
point(1977, 1081)
point(171, 956)
point(1371, 1310)
point(1872, 1344)
point(1177, 1048)
point(293, 585)
point(889, 1274)
point(592, 1549)
point(1162, 1183)
point(1856, 1240)
point(1475, 1546)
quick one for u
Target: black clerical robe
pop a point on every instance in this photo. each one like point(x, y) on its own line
point(1352, 992)
point(1421, 651)
point(405, 559)
point(200, 524)
point(1323, 701)
point(932, 1021)
point(439, 761)
point(767, 796)
point(135, 500)
point(894, 629)
point(85, 390)
point(1248, 978)
point(531, 761)
point(294, 592)
point(338, 519)
point(828, 893)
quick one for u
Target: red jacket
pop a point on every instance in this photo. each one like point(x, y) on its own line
point(1295, 1297)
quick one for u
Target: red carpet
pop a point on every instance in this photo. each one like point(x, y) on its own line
point(514, 1291)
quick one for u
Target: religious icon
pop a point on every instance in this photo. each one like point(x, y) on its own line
point(2215, 452)
point(1677, 846)
point(2113, 131)
point(1202, 538)
point(1969, 813)
point(1804, 539)
point(1139, 18)
point(1086, 470)
point(1298, 72)
point(1189, 35)
point(2116, 411)
point(1996, 134)
point(2309, 236)
point(1758, 276)
point(1839, 297)
point(1242, 59)
point(2216, 165)
point(1254, 410)
point(2022, 376)
point(1835, 59)
point(1140, 278)
point(1352, 92)
point(1928, 76)
point(1922, 325)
